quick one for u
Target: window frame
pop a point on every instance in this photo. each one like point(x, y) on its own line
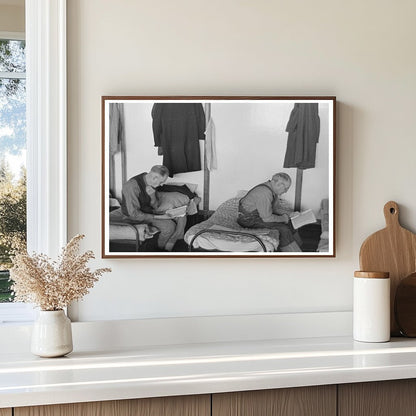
point(12, 35)
point(46, 125)
point(46, 118)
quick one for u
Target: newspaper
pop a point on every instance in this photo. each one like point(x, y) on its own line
point(177, 212)
point(303, 218)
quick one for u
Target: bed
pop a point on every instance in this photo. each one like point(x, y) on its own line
point(130, 235)
point(221, 232)
point(125, 235)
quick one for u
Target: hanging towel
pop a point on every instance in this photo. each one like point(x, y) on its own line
point(177, 128)
point(303, 128)
point(117, 130)
point(210, 146)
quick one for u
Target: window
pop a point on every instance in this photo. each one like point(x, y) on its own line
point(46, 135)
point(12, 154)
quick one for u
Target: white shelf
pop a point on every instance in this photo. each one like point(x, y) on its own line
point(150, 371)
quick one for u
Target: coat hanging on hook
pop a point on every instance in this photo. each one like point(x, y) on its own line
point(177, 129)
point(303, 128)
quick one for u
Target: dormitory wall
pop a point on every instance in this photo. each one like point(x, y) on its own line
point(250, 141)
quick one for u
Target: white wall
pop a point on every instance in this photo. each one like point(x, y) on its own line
point(362, 52)
point(251, 142)
point(12, 17)
point(251, 146)
point(141, 154)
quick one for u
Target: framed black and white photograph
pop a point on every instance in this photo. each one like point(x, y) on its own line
point(218, 176)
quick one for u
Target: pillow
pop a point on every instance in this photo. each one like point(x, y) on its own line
point(170, 200)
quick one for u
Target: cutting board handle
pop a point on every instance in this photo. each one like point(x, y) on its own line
point(391, 214)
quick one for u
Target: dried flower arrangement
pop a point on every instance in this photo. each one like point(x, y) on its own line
point(52, 285)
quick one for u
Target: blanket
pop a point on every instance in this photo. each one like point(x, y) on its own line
point(225, 217)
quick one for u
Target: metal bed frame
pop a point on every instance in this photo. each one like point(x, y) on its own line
point(127, 241)
point(226, 232)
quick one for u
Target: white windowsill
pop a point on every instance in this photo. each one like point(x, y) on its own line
point(16, 313)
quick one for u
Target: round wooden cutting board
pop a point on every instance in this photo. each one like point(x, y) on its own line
point(392, 250)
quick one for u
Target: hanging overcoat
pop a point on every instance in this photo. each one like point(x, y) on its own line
point(177, 128)
point(303, 128)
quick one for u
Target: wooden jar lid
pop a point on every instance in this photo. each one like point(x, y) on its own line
point(372, 275)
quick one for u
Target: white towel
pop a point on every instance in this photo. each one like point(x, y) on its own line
point(210, 145)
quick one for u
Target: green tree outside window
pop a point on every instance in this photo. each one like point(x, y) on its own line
point(12, 151)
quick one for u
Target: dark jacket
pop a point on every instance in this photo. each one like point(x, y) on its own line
point(177, 128)
point(303, 128)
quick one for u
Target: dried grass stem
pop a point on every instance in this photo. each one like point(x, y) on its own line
point(53, 285)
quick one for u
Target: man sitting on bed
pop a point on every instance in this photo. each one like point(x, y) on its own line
point(138, 205)
point(256, 209)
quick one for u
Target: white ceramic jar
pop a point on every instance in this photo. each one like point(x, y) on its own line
point(371, 306)
point(52, 334)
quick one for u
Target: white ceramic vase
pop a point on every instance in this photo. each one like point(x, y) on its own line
point(52, 334)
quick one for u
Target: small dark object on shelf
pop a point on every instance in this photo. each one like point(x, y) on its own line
point(405, 306)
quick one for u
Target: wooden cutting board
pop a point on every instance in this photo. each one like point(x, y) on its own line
point(393, 250)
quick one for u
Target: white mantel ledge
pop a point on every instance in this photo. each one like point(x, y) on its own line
point(213, 367)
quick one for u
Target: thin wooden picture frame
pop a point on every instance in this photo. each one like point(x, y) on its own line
point(247, 176)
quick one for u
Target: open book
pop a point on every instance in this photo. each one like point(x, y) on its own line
point(177, 212)
point(303, 218)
